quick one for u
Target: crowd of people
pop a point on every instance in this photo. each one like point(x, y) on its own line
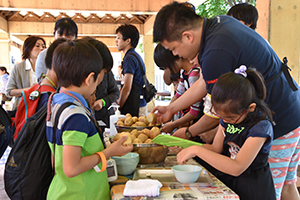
point(232, 92)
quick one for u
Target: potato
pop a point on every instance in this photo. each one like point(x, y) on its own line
point(134, 125)
point(148, 141)
point(132, 136)
point(155, 131)
point(121, 119)
point(117, 136)
point(144, 119)
point(135, 119)
point(134, 132)
point(142, 137)
point(128, 121)
point(120, 123)
point(141, 124)
point(128, 141)
point(151, 118)
point(146, 132)
point(128, 115)
point(137, 141)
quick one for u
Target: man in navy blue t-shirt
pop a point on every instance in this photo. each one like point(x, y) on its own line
point(131, 98)
point(222, 45)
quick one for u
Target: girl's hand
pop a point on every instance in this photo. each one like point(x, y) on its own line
point(168, 127)
point(186, 154)
point(163, 114)
point(117, 149)
point(175, 150)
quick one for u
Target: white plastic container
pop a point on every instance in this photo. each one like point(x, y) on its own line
point(113, 119)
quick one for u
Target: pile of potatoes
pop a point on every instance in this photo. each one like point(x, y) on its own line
point(138, 137)
point(142, 121)
point(148, 155)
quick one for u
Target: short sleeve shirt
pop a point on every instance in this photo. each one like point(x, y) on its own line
point(226, 44)
point(131, 66)
point(76, 129)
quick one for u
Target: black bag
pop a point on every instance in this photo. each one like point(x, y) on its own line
point(28, 170)
point(149, 89)
point(6, 130)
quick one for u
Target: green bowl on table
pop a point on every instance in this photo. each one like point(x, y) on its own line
point(127, 164)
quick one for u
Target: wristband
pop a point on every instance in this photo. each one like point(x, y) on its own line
point(103, 160)
point(104, 103)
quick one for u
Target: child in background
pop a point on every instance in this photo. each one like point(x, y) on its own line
point(239, 153)
point(78, 147)
point(189, 73)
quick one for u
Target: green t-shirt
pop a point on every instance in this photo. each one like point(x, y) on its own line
point(78, 130)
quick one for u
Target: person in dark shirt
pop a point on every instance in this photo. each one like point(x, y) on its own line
point(131, 98)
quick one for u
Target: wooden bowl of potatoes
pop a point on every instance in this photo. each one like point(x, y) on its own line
point(130, 123)
point(150, 153)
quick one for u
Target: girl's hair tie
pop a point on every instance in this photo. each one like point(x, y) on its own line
point(241, 70)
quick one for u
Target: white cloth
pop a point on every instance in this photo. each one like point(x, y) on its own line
point(142, 187)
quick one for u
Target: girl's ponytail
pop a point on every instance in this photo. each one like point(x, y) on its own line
point(257, 80)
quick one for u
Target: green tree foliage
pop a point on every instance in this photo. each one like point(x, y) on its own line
point(212, 8)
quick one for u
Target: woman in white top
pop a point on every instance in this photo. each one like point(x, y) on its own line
point(23, 74)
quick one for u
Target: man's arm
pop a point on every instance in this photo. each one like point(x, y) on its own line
point(128, 79)
point(204, 124)
point(194, 94)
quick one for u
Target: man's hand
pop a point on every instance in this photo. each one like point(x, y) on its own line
point(163, 114)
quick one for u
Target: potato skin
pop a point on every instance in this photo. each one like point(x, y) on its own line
point(142, 137)
point(155, 131)
point(128, 141)
point(120, 123)
point(141, 124)
point(137, 141)
point(144, 119)
point(117, 136)
point(135, 119)
point(146, 132)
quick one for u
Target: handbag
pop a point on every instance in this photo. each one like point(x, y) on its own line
point(149, 90)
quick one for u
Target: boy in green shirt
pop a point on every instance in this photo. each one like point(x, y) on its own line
point(78, 147)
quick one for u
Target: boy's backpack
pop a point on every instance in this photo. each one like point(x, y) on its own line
point(28, 170)
point(28, 104)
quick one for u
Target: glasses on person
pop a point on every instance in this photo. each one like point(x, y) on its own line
point(216, 114)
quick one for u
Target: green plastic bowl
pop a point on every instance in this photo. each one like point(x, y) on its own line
point(126, 164)
point(186, 173)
